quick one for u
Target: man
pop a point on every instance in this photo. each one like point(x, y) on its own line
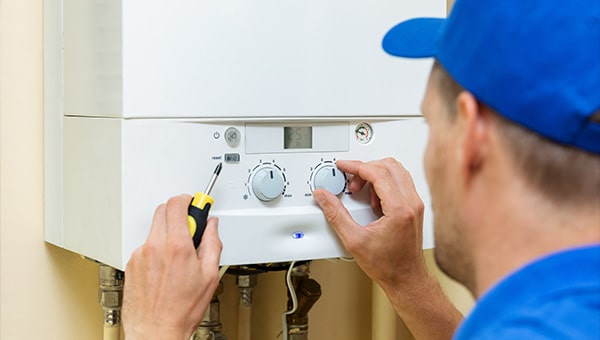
point(513, 165)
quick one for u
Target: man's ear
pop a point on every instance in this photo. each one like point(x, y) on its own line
point(473, 124)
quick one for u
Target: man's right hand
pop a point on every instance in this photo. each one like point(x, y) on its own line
point(389, 249)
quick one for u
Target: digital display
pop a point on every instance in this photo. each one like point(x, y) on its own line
point(297, 137)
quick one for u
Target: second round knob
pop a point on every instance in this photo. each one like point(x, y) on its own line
point(267, 184)
point(330, 178)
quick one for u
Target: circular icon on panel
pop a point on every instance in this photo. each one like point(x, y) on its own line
point(232, 136)
point(363, 133)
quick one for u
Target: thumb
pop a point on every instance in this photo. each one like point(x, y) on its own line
point(210, 247)
point(337, 215)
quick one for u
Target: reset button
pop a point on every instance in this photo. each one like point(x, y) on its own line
point(232, 158)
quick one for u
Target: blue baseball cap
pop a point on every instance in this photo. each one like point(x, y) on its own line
point(535, 62)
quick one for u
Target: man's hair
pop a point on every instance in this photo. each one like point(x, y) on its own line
point(563, 174)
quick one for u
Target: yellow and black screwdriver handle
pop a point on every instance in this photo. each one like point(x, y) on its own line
point(198, 215)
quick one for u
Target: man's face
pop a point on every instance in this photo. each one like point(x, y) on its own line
point(443, 177)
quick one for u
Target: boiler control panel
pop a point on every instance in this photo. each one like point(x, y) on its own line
point(286, 161)
point(263, 197)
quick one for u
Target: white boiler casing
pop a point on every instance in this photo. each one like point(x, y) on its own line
point(154, 89)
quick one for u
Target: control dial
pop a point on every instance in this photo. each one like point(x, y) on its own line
point(267, 183)
point(330, 178)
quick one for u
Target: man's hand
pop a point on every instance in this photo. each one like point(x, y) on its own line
point(168, 283)
point(389, 249)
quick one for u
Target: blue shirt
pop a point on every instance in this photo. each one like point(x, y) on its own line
point(555, 297)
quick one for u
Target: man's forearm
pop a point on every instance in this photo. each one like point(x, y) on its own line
point(425, 308)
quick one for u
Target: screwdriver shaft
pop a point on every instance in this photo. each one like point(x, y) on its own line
point(213, 179)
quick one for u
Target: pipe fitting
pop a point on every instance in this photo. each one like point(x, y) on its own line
point(210, 327)
point(308, 291)
point(246, 283)
point(110, 294)
point(297, 332)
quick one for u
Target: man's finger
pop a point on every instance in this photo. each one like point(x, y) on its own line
point(177, 211)
point(410, 189)
point(349, 166)
point(210, 247)
point(375, 202)
point(158, 229)
point(337, 215)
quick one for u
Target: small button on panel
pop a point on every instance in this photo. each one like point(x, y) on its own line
point(232, 136)
point(232, 158)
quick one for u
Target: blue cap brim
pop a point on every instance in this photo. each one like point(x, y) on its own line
point(414, 38)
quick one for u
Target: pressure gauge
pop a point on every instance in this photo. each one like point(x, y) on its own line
point(363, 133)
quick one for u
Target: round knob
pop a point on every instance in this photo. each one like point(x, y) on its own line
point(267, 184)
point(330, 178)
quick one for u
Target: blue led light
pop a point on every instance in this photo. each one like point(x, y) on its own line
point(298, 235)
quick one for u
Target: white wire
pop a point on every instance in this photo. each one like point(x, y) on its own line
point(288, 281)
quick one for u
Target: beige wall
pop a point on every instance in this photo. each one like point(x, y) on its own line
point(44, 292)
point(49, 293)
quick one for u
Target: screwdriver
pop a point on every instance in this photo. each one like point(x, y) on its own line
point(199, 207)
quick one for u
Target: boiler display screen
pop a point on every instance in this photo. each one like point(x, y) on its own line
point(297, 137)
